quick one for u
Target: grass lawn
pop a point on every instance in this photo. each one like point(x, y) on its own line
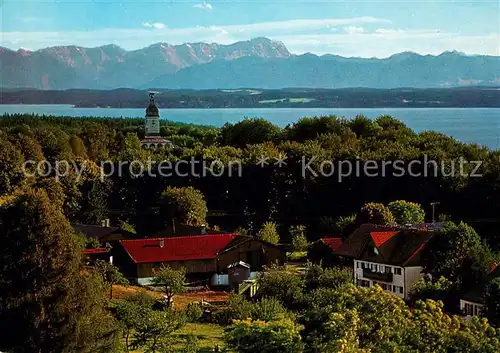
point(209, 335)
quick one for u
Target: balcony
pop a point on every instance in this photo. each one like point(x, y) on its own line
point(377, 276)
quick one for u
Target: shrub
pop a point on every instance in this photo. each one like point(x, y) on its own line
point(194, 312)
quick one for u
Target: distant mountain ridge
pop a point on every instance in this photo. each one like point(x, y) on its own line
point(259, 62)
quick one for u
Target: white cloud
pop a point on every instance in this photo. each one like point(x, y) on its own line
point(156, 25)
point(204, 5)
point(353, 29)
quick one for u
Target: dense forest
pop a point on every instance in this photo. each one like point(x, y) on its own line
point(264, 98)
point(55, 171)
point(282, 193)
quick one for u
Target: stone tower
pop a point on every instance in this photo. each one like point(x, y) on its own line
point(153, 139)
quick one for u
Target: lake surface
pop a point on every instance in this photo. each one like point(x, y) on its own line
point(479, 125)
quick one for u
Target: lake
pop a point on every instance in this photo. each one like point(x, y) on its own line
point(479, 125)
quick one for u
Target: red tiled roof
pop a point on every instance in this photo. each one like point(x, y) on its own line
point(333, 243)
point(177, 248)
point(379, 238)
point(96, 251)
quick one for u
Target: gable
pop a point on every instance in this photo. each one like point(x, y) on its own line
point(390, 245)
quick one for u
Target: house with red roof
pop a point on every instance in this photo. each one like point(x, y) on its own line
point(202, 256)
point(389, 256)
point(324, 251)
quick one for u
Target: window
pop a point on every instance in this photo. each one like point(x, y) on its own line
point(385, 286)
point(469, 309)
point(357, 264)
point(388, 269)
point(397, 289)
point(397, 271)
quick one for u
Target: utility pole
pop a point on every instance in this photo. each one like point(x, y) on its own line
point(433, 204)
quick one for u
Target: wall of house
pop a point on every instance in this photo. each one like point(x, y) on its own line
point(145, 270)
point(253, 252)
point(412, 275)
point(396, 286)
point(470, 309)
point(125, 264)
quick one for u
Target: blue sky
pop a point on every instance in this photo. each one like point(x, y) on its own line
point(348, 28)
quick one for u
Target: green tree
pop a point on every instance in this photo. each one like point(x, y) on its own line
point(49, 304)
point(406, 212)
point(77, 146)
point(171, 280)
point(492, 302)
point(249, 131)
point(299, 239)
point(280, 336)
point(318, 277)
point(269, 309)
point(11, 166)
point(110, 275)
point(427, 288)
point(344, 223)
point(186, 204)
point(453, 251)
point(194, 311)
point(282, 285)
point(376, 213)
point(268, 232)
point(153, 333)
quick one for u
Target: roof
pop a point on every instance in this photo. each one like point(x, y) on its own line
point(244, 239)
point(177, 248)
point(333, 243)
point(96, 251)
point(356, 242)
point(398, 246)
point(379, 238)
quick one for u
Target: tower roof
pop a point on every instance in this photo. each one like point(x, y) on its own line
point(152, 109)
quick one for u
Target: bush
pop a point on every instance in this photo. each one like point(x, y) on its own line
point(282, 336)
point(268, 310)
point(299, 239)
point(238, 309)
point(281, 285)
point(194, 312)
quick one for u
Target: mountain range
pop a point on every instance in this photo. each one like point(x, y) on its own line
point(259, 62)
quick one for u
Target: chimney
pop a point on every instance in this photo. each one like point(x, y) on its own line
point(162, 243)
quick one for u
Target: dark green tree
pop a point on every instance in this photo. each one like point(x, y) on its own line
point(187, 205)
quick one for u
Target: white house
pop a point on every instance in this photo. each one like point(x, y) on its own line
point(387, 256)
point(472, 303)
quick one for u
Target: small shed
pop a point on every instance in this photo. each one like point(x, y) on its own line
point(238, 272)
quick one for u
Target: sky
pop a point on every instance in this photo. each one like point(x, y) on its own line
point(354, 28)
